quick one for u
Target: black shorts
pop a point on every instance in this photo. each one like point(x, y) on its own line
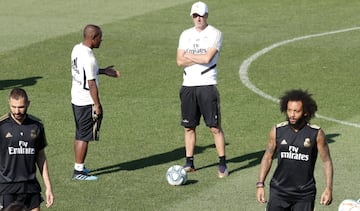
point(197, 101)
point(275, 204)
point(85, 123)
point(30, 200)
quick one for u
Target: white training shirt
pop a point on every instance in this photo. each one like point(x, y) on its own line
point(196, 42)
point(84, 67)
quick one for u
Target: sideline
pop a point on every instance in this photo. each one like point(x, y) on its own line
point(244, 67)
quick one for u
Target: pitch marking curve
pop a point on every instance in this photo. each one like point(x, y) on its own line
point(244, 67)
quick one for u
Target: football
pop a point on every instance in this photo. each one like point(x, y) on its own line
point(349, 205)
point(176, 175)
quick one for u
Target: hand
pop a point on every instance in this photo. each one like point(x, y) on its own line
point(98, 110)
point(326, 197)
point(49, 198)
point(110, 71)
point(260, 195)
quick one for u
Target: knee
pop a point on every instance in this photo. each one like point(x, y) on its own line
point(215, 131)
point(189, 130)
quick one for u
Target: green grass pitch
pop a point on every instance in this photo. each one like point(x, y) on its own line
point(141, 134)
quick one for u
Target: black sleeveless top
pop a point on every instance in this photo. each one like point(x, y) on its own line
point(293, 179)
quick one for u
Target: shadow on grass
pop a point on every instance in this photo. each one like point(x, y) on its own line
point(7, 84)
point(330, 137)
point(254, 158)
point(153, 160)
point(251, 159)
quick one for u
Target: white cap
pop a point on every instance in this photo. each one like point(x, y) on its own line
point(199, 8)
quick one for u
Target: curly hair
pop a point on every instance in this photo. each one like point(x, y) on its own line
point(309, 104)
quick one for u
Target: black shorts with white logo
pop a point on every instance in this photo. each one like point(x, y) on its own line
point(197, 101)
point(85, 123)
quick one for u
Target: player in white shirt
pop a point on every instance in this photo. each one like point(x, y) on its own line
point(84, 68)
point(85, 96)
point(197, 42)
point(198, 52)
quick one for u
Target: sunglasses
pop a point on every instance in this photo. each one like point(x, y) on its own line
point(197, 15)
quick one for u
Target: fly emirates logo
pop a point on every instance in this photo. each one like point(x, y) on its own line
point(294, 154)
point(23, 149)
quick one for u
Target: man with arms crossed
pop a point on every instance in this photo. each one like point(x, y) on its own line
point(85, 97)
point(296, 143)
point(198, 52)
point(22, 148)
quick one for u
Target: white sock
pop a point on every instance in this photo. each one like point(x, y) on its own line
point(79, 166)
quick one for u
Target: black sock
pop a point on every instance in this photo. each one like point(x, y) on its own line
point(222, 161)
point(78, 172)
point(190, 160)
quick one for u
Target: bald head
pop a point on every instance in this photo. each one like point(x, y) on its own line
point(92, 36)
point(91, 31)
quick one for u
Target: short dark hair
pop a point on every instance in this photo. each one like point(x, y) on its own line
point(17, 93)
point(91, 31)
point(309, 104)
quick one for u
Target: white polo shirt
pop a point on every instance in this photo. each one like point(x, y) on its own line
point(196, 42)
point(84, 67)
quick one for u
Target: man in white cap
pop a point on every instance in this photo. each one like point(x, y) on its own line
point(198, 52)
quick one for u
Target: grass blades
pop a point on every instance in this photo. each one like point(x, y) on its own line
point(141, 134)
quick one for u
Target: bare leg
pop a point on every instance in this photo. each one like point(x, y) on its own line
point(80, 149)
point(220, 148)
point(219, 140)
point(190, 141)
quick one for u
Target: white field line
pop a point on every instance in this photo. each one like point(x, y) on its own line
point(244, 68)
